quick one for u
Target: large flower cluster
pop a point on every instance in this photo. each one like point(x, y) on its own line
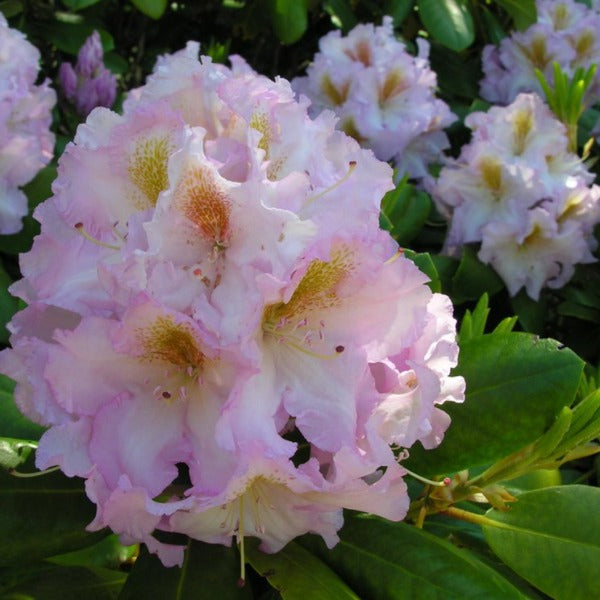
point(218, 335)
point(384, 97)
point(566, 31)
point(26, 143)
point(89, 83)
point(517, 190)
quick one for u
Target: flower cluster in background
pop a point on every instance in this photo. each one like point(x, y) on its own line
point(383, 96)
point(248, 344)
point(517, 190)
point(89, 84)
point(566, 31)
point(26, 142)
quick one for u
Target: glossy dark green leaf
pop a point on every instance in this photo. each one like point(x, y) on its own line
point(473, 279)
point(424, 261)
point(531, 313)
point(151, 8)
point(493, 29)
point(381, 560)
point(13, 424)
point(8, 305)
point(298, 574)
point(523, 12)
point(341, 14)
point(516, 386)
point(398, 9)
point(457, 75)
point(406, 209)
point(69, 37)
point(44, 581)
point(10, 8)
point(448, 21)
point(208, 571)
point(79, 4)
point(43, 516)
point(579, 311)
point(551, 537)
point(108, 553)
point(289, 19)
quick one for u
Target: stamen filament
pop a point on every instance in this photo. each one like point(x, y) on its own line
point(87, 236)
point(241, 543)
point(444, 483)
point(16, 473)
point(351, 167)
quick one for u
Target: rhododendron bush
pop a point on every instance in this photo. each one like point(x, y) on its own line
point(294, 310)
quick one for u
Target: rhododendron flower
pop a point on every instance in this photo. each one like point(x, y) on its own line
point(566, 32)
point(89, 83)
point(26, 142)
point(259, 344)
point(383, 96)
point(517, 190)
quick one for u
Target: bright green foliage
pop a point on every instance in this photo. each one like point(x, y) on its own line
point(209, 571)
point(394, 561)
point(495, 367)
point(448, 21)
point(551, 538)
point(298, 574)
point(151, 8)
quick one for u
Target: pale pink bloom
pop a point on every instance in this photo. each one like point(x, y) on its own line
point(566, 31)
point(210, 280)
point(26, 142)
point(383, 96)
point(536, 253)
point(516, 165)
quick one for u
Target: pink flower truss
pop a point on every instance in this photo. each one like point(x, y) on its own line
point(517, 190)
point(566, 31)
point(218, 336)
point(26, 142)
point(89, 83)
point(383, 96)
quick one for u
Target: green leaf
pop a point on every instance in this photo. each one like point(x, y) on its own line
point(298, 574)
point(407, 210)
point(523, 12)
point(13, 424)
point(493, 29)
point(289, 19)
point(79, 4)
point(108, 553)
point(8, 305)
point(448, 21)
point(424, 261)
point(50, 582)
point(381, 560)
point(10, 8)
point(208, 571)
point(551, 537)
point(14, 452)
point(473, 279)
point(473, 323)
point(69, 37)
point(341, 14)
point(516, 386)
point(531, 313)
point(151, 8)
point(398, 10)
point(43, 516)
point(457, 75)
